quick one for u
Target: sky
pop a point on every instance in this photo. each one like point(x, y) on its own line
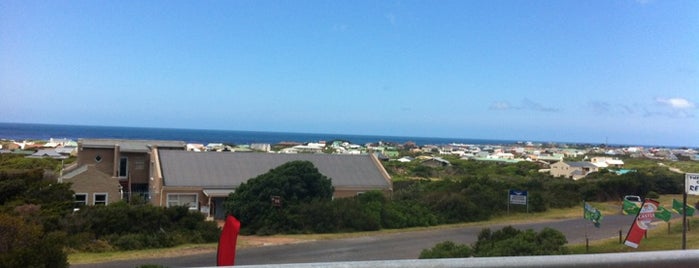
point(600, 71)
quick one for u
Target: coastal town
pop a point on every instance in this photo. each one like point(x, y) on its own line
point(568, 160)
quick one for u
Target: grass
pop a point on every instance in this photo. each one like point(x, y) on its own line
point(190, 249)
point(658, 239)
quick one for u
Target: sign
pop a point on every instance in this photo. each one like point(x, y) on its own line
point(518, 197)
point(691, 182)
point(592, 214)
point(642, 223)
point(276, 201)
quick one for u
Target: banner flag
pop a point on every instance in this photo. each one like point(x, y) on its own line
point(663, 214)
point(227, 242)
point(592, 214)
point(641, 223)
point(691, 182)
point(629, 208)
point(677, 207)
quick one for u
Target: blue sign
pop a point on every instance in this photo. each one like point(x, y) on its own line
point(518, 197)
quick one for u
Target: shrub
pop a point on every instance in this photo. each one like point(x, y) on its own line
point(447, 249)
point(512, 242)
point(24, 244)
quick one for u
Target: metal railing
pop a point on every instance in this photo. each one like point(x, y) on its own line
point(672, 258)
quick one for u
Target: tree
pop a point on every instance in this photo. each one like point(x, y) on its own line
point(293, 183)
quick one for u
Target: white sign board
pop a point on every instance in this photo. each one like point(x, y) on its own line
point(518, 197)
point(691, 182)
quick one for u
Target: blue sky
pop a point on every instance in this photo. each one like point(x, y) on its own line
point(624, 71)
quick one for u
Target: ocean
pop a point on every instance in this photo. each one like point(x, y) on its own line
point(21, 131)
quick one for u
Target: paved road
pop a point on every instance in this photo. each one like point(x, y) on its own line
point(406, 245)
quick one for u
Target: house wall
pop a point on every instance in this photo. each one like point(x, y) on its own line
point(95, 181)
point(156, 184)
point(138, 166)
point(202, 200)
point(88, 156)
point(560, 169)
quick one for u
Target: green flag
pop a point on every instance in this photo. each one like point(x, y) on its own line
point(629, 208)
point(592, 214)
point(677, 207)
point(663, 214)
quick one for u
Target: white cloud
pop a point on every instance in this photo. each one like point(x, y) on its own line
point(676, 103)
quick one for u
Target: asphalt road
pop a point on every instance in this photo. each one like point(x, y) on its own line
point(406, 245)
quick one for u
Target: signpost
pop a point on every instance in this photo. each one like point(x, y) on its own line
point(691, 186)
point(517, 197)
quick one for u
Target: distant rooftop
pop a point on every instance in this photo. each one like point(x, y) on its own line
point(223, 170)
point(136, 146)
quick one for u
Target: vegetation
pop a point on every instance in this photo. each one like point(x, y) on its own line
point(447, 249)
point(122, 226)
point(466, 191)
point(38, 225)
point(36, 209)
point(505, 242)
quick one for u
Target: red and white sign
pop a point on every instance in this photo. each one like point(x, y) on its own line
point(642, 223)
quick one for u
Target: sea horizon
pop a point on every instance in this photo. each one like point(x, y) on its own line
point(44, 131)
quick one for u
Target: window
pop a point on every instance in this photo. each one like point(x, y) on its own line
point(187, 200)
point(98, 158)
point(80, 200)
point(100, 199)
point(123, 166)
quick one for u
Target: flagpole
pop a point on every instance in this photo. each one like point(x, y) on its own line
point(587, 244)
point(684, 217)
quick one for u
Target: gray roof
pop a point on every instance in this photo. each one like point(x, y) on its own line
point(135, 146)
point(581, 164)
point(228, 170)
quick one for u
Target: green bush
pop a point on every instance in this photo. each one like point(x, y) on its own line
point(447, 249)
point(24, 244)
point(512, 242)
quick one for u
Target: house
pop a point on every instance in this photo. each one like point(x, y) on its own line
point(47, 153)
point(53, 143)
point(604, 162)
point(262, 147)
point(202, 181)
point(109, 170)
point(436, 162)
point(195, 147)
point(573, 170)
point(405, 159)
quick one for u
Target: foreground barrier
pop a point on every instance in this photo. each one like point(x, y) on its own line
point(667, 259)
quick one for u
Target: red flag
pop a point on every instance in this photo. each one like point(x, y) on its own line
point(227, 242)
point(642, 222)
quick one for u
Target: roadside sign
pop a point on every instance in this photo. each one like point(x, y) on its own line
point(692, 183)
point(518, 197)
